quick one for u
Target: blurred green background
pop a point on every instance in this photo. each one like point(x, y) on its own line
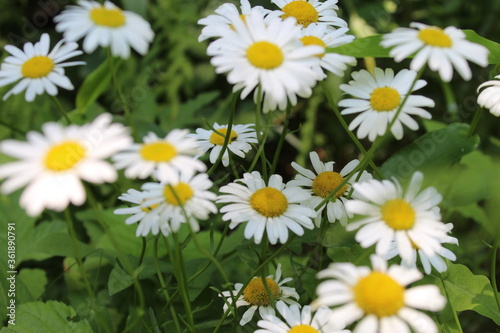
point(174, 86)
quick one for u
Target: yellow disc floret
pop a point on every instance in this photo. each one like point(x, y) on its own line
point(265, 55)
point(218, 139)
point(379, 294)
point(303, 11)
point(108, 17)
point(183, 191)
point(435, 37)
point(385, 99)
point(303, 329)
point(398, 214)
point(256, 294)
point(313, 40)
point(37, 67)
point(64, 156)
point(269, 202)
point(158, 151)
point(150, 208)
point(326, 182)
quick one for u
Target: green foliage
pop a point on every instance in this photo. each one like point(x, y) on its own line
point(94, 85)
point(467, 291)
point(49, 317)
point(115, 284)
point(435, 150)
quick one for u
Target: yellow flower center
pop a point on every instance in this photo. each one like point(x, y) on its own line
point(64, 156)
point(256, 294)
point(269, 202)
point(150, 208)
point(303, 329)
point(313, 40)
point(435, 37)
point(379, 294)
point(385, 99)
point(398, 214)
point(218, 139)
point(265, 55)
point(112, 18)
point(183, 191)
point(37, 67)
point(158, 151)
point(326, 182)
point(303, 11)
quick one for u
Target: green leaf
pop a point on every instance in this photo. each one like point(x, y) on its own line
point(50, 317)
point(470, 292)
point(363, 47)
point(494, 56)
point(30, 284)
point(196, 286)
point(123, 234)
point(118, 280)
point(476, 213)
point(94, 85)
point(435, 150)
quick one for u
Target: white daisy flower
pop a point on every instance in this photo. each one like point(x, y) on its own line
point(269, 55)
point(38, 69)
point(147, 217)
point(320, 34)
point(239, 141)
point(490, 97)
point(105, 25)
point(441, 49)
point(322, 182)
point(167, 201)
point(273, 208)
point(53, 164)
point(379, 297)
point(428, 261)
point(256, 297)
point(408, 217)
point(311, 11)
point(217, 24)
point(378, 98)
point(161, 157)
point(299, 321)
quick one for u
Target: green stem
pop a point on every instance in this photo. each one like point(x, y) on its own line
point(12, 128)
point(284, 132)
point(118, 250)
point(259, 152)
point(258, 128)
point(455, 316)
point(475, 122)
point(181, 277)
point(79, 260)
point(128, 114)
point(76, 248)
point(228, 133)
point(61, 109)
point(342, 121)
point(141, 256)
point(164, 288)
point(494, 271)
point(234, 168)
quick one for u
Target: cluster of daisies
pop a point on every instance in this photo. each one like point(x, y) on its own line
point(41, 70)
point(278, 55)
point(281, 54)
